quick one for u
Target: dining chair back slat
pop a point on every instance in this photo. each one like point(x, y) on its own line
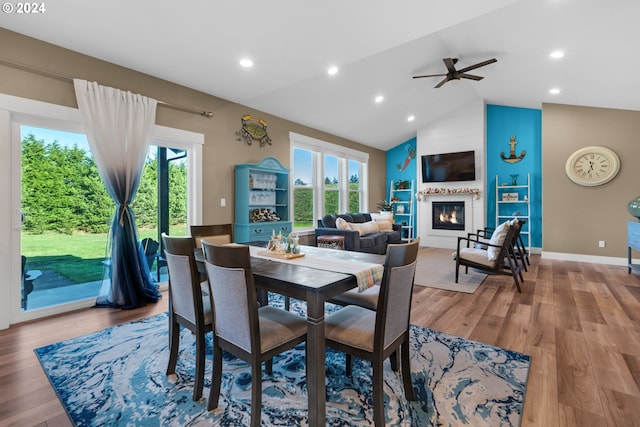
point(229, 292)
point(183, 298)
point(215, 233)
point(397, 296)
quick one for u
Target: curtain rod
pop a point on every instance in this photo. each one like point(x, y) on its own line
point(207, 114)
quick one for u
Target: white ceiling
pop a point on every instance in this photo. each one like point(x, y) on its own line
point(378, 46)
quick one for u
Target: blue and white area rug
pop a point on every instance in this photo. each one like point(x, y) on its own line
point(116, 377)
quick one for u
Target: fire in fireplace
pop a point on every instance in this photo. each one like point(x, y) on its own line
point(447, 215)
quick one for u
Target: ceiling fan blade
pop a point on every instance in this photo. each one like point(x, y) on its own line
point(450, 64)
point(429, 75)
point(441, 83)
point(478, 65)
point(471, 76)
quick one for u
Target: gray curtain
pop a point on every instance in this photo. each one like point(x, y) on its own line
point(118, 126)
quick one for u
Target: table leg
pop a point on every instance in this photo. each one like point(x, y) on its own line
point(316, 387)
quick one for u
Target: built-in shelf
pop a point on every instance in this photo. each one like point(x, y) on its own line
point(402, 200)
point(512, 201)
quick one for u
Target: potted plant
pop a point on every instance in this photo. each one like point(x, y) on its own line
point(384, 206)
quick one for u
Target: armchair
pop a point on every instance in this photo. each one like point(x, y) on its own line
point(519, 249)
point(496, 257)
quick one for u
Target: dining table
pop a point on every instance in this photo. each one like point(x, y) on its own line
point(315, 286)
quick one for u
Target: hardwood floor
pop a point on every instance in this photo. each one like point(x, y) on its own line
point(579, 322)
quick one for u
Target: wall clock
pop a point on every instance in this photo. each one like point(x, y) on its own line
point(591, 166)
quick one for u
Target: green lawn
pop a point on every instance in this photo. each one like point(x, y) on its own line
point(303, 224)
point(77, 257)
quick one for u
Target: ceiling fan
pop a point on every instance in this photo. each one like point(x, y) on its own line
point(453, 74)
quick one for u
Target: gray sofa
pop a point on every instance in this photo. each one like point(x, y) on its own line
point(375, 243)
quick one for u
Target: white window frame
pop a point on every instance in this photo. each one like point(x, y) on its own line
point(344, 154)
point(16, 111)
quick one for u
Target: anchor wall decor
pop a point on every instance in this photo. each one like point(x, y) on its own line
point(512, 153)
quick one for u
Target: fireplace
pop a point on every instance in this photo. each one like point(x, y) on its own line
point(447, 215)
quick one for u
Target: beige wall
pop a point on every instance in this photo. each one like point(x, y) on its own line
point(221, 150)
point(575, 218)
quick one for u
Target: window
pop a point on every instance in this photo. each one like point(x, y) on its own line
point(355, 190)
point(327, 178)
point(331, 185)
point(303, 184)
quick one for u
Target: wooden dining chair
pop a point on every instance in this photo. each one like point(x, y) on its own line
point(383, 333)
point(251, 333)
point(404, 254)
point(214, 233)
point(188, 306)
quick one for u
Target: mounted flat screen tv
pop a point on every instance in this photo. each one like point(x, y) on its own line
point(447, 167)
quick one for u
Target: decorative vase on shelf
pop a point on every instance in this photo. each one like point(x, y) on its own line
point(514, 179)
point(634, 207)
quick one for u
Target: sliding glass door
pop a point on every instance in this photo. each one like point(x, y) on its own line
point(65, 218)
point(57, 215)
point(66, 213)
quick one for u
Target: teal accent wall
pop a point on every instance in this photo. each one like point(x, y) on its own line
point(526, 125)
point(401, 165)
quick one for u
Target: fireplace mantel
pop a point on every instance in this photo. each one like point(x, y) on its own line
point(430, 191)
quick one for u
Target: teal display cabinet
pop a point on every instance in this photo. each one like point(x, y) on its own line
point(261, 201)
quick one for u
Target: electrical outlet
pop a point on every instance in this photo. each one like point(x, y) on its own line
point(601, 244)
point(223, 202)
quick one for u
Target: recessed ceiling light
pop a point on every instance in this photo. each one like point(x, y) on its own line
point(557, 54)
point(246, 62)
point(411, 118)
point(332, 70)
point(379, 99)
point(554, 91)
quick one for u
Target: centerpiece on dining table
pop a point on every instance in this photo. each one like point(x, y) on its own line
point(282, 247)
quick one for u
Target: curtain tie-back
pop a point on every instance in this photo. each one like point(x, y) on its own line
point(124, 210)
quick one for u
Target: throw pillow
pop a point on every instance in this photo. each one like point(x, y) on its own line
point(384, 224)
point(342, 224)
point(497, 238)
point(365, 228)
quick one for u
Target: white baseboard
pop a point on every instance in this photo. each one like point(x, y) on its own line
point(594, 259)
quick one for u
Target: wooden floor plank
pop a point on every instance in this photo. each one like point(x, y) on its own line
point(541, 403)
point(622, 409)
point(513, 335)
point(577, 382)
point(541, 331)
point(610, 369)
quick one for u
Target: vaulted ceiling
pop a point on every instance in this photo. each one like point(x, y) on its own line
point(377, 46)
